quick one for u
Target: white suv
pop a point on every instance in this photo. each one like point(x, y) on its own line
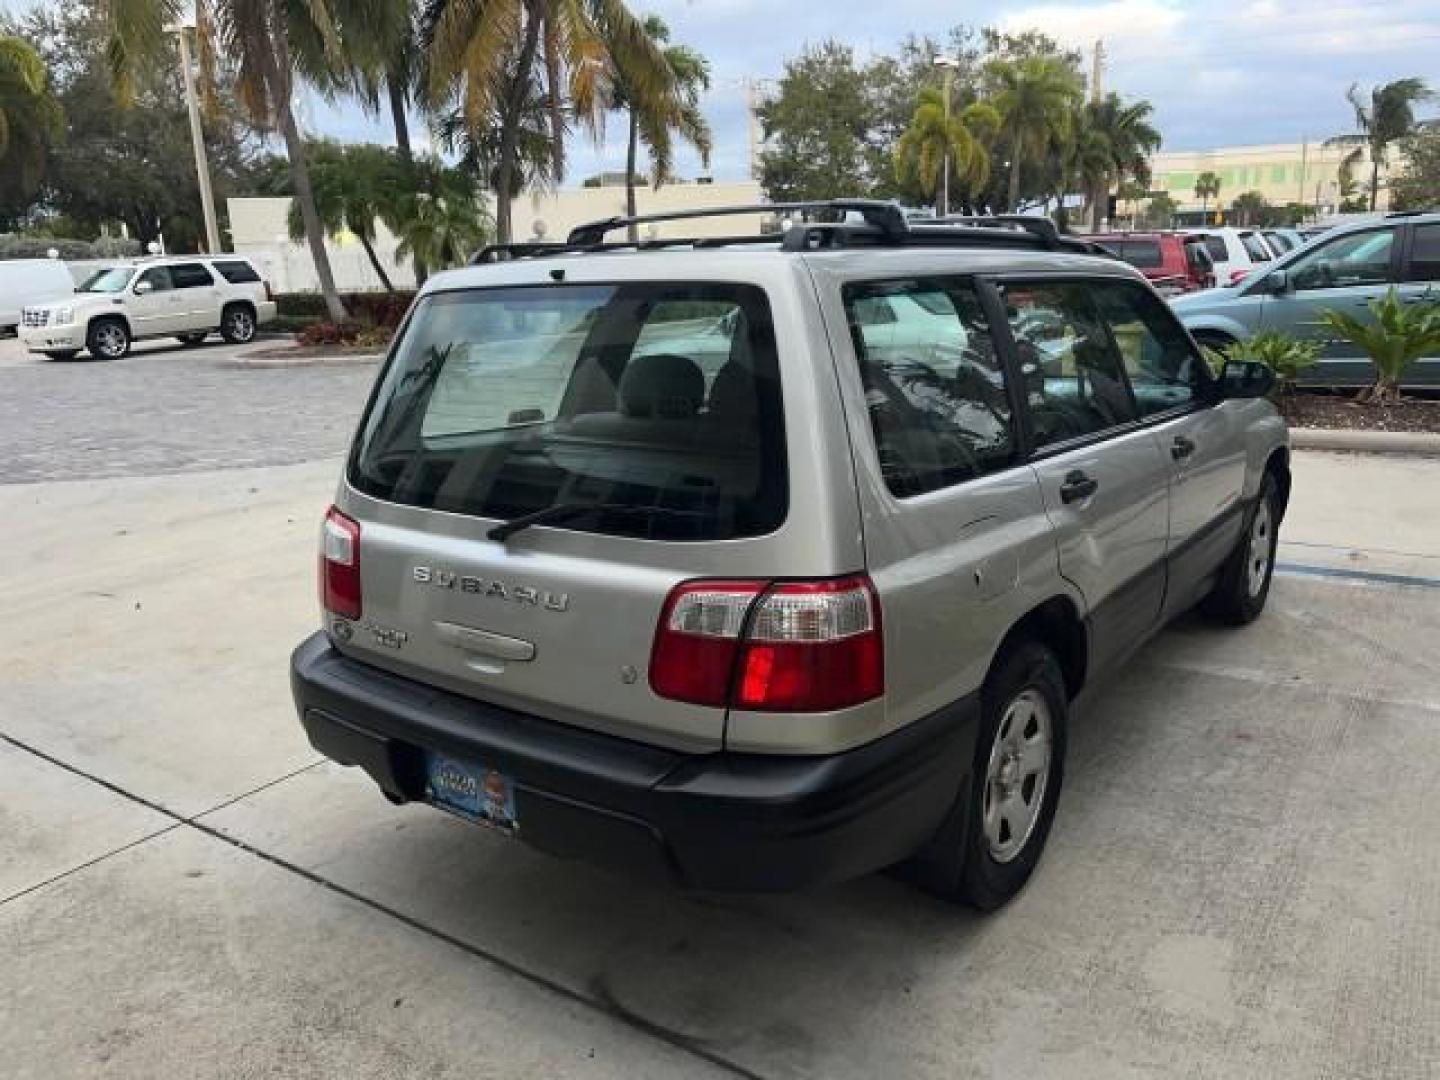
point(186, 297)
point(1235, 252)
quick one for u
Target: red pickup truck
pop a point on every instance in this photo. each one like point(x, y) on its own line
point(1173, 262)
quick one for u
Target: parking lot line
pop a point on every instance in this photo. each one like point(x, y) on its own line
point(601, 1004)
point(1374, 576)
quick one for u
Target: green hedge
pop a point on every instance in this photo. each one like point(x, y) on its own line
point(299, 310)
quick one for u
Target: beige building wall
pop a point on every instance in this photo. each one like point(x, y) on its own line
point(560, 211)
point(1306, 173)
point(260, 229)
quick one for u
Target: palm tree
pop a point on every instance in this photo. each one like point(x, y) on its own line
point(1127, 139)
point(1035, 97)
point(443, 225)
point(1388, 117)
point(30, 120)
point(655, 120)
point(1207, 187)
point(352, 184)
point(270, 43)
point(936, 133)
point(490, 48)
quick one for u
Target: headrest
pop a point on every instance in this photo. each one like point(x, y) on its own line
point(662, 386)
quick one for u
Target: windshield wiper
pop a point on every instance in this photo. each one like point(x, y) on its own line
point(565, 511)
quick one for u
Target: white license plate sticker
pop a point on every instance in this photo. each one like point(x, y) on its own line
point(470, 790)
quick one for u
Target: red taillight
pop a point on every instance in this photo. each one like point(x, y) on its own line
point(805, 646)
point(1237, 276)
point(340, 565)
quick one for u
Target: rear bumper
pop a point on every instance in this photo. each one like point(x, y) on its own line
point(722, 821)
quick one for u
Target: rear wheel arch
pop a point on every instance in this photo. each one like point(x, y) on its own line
point(1058, 625)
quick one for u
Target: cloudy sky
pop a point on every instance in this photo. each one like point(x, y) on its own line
point(1219, 72)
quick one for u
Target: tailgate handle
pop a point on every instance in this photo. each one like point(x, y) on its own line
point(484, 642)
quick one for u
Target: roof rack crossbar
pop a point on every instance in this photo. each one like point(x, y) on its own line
point(885, 217)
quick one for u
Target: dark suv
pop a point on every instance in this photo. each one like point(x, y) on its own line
point(1173, 262)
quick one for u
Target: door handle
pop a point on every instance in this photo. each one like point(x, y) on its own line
point(1181, 448)
point(1078, 486)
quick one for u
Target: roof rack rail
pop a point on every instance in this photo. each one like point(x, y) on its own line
point(1041, 227)
point(885, 217)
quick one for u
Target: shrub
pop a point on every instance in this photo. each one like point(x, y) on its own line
point(1396, 335)
point(1286, 356)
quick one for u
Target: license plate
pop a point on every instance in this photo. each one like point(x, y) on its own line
point(471, 791)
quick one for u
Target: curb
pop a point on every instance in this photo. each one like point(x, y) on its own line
point(1421, 443)
point(253, 359)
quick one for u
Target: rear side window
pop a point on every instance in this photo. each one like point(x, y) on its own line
point(1144, 254)
point(1073, 370)
point(934, 386)
point(1425, 254)
point(658, 403)
point(1255, 247)
point(1216, 246)
point(190, 276)
point(237, 273)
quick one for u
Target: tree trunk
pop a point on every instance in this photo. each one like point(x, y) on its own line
point(375, 264)
point(1099, 195)
point(632, 230)
point(305, 196)
point(1374, 180)
point(510, 129)
point(1013, 198)
point(400, 119)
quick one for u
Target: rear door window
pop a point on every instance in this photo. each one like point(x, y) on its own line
point(1216, 246)
point(191, 276)
point(1073, 370)
point(1425, 254)
point(934, 386)
point(658, 402)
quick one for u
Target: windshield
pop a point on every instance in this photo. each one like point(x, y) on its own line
point(112, 279)
point(660, 401)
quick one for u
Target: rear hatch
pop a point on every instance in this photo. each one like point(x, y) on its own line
point(631, 435)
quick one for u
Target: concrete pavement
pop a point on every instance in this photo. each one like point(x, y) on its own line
point(1242, 881)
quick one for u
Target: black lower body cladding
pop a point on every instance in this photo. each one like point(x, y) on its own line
point(721, 821)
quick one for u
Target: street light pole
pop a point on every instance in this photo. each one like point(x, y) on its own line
point(197, 137)
point(948, 64)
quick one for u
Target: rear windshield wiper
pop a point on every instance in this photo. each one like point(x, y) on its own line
point(565, 511)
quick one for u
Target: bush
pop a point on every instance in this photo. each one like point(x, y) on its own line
point(15, 246)
point(350, 333)
point(368, 309)
point(1286, 356)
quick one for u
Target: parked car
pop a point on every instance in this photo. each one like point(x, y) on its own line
point(1346, 268)
point(187, 297)
point(791, 618)
point(1235, 252)
point(24, 282)
point(1174, 262)
point(1282, 241)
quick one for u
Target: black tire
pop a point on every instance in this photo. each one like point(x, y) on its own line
point(108, 339)
point(237, 324)
point(1240, 593)
point(197, 338)
point(962, 863)
point(62, 355)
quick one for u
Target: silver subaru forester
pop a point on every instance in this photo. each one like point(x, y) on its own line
point(757, 562)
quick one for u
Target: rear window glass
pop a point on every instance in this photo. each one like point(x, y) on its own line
point(659, 401)
point(1216, 246)
point(1255, 247)
point(1198, 256)
point(1144, 254)
point(237, 273)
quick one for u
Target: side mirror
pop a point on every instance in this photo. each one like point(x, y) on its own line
point(1245, 379)
point(1276, 283)
point(143, 287)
